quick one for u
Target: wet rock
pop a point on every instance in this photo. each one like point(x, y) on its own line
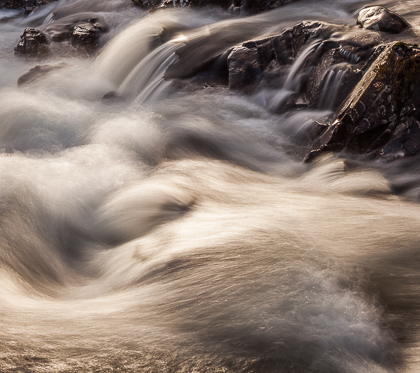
point(247, 6)
point(256, 6)
point(379, 18)
point(85, 36)
point(248, 61)
point(381, 116)
point(63, 29)
point(33, 44)
point(329, 68)
point(38, 72)
point(27, 5)
point(82, 32)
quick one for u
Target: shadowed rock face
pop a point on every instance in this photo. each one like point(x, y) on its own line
point(33, 44)
point(379, 18)
point(27, 5)
point(380, 118)
point(247, 6)
point(81, 30)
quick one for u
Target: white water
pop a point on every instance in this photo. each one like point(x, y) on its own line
point(176, 229)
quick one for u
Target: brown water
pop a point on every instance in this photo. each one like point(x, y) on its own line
point(175, 231)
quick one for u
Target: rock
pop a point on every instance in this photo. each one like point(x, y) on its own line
point(381, 116)
point(85, 36)
point(38, 72)
point(379, 18)
point(248, 6)
point(63, 28)
point(33, 44)
point(329, 69)
point(27, 5)
point(82, 31)
point(256, 6)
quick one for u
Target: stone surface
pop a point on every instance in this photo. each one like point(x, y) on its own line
point(329, 69)
point(82, 33)
point(27, 5)
point(381, 116)
point(85, 36)
point(246, 6)
point(379, 18)
point(33, 44)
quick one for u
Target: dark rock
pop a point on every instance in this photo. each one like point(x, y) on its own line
point(83, 31)
point(38, 72)
point(379, 18)
point(329, 69)
point(85, 36)
point(248, 6)
point(381, 116)
point(63, 29)
point(256, 6)
point(33, 44)
point(27, 5)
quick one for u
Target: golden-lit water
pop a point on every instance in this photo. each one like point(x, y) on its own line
point(174, 230)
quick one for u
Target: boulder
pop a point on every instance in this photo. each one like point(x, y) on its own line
point(379, 18)
point(27, 5)
point(33, 44)
point(82, 31)
point(247, 6)
point(381, 116)
point(85, 36)
point(326, 69)
point(256, 6)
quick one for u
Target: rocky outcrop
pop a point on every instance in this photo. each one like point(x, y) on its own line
point(82, 33)
point(33, 44)
point(381, 117)
point(322, 70)
point(85, 36)
point(379, 18)
point(27, 5)
point(245, 6)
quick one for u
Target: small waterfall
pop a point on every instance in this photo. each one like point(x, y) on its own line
point(294, 75)
point(146, 80)
point(275, 100)
point(331, 84)
point(124, 53)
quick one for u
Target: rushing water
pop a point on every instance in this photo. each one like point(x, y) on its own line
point(175, 229)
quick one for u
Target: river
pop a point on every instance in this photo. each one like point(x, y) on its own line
point(174, 228)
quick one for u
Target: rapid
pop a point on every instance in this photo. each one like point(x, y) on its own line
point(175, 228)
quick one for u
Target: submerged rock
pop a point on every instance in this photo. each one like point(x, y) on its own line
point(379, 18)
point(38, 72)
point(381, 116)
point(33, 44)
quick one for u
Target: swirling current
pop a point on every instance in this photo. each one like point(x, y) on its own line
point(175, 228)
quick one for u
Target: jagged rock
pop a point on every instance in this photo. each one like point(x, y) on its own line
point(256, 6)
point(63, 29)
point(33, 44)
point(248, 6)
point(379, 18)
point(381, 116)
point(329, 68)
point(86, 35)
point(82, 30)
point(27, 5)
point(38, 72)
